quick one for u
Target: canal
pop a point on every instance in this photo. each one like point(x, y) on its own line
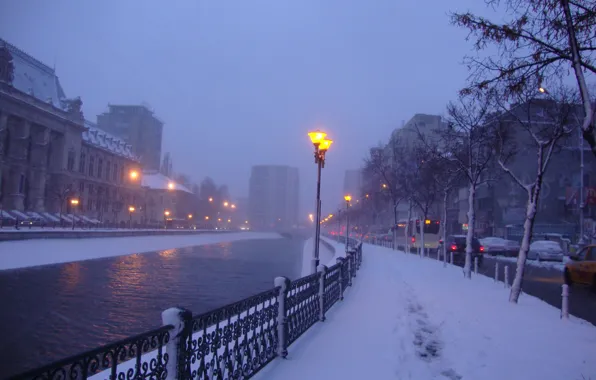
point(54, 311)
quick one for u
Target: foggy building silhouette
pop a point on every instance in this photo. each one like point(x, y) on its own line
point(353, 183)
point(138, 126)
point(273, 200)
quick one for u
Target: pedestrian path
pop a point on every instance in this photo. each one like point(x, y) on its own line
point(407, 317)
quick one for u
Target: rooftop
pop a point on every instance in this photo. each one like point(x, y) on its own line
point(35, 78)
point(158, 181)
point(106, 141)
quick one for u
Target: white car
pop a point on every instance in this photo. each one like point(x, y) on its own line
point(546, 250)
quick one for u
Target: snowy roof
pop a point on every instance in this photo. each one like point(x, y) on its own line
point(159, 181)
point(106, 141)
point(35, 78)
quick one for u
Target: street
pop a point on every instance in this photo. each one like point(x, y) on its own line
point(545, 283)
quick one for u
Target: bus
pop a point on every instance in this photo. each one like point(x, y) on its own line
point(432, 233)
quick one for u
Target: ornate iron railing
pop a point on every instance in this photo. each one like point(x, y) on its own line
point(302, 306)
point(138, 357)
point(232, 342)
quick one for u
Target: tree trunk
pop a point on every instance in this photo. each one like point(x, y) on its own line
point(443, 224)
point(470, 234)
point(394, 229)
point(422, 221)
point(407, 229)
point(531, 208)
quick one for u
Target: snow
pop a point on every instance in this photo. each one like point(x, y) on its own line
point(161, 182)
point(28, 253)
point(556, 265)
point(326, 256)
point(410, 318)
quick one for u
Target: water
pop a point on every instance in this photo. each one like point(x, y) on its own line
point(55, 311)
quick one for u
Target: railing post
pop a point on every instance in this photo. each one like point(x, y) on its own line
point(496, 271)
point(282, 324)
point(176, 347)
point(340, 261)
point(322, 269)
point(506, 279)
point(565, 302)
point(476, 265)
point(451, 257)
point(349, 258)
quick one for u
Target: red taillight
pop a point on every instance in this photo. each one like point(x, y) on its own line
point(454, 247)
point(481, 249)
point(413, 239)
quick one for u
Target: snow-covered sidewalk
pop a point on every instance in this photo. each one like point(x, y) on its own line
point(28, 253)
point(410, 318)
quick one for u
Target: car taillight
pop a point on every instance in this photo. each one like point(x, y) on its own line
point(481, 249)
point(413, 239)
point(454, 247)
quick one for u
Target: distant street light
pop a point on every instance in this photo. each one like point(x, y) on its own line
point(233, 206)
point(206, 217)
point(131, 209)
point(189, 216)
point(166, 213)
point(225, 204)
point(210, 199)
point(347, 198)
point(74, 203)
point(171, 185)
point(321, 146)
point(134, 175)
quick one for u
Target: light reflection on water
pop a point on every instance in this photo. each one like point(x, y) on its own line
point(60, 310)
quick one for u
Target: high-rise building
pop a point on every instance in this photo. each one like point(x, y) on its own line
point(273, 200)
point(353, 183)
point(139, 127)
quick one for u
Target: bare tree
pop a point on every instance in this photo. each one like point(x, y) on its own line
point(468, 144)
point(418, 171)
point(541, 40)
point(384, 162)
point(539, 125)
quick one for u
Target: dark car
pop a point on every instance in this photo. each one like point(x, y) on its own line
point(457, 245)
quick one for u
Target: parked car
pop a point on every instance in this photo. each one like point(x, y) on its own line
point(500, 246)
point(582, 268)
point(546, 250)
point(457, 245)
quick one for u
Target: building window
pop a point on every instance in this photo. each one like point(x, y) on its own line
point(22, 184)
point(82, 163)
point(122, 170)
point(108, 170)
point(99, 168)
point(91, 165)
point(115, 172)
point(70, 161)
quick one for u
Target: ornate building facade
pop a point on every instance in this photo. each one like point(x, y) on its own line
point(49, 153)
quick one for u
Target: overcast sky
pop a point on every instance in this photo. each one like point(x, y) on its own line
point(240, 83)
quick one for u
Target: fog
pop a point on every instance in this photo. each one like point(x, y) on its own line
point(240, 83)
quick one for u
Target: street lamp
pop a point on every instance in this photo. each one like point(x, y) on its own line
point(210, 199)
point(321, 145)
point(233, 206)
point(134, 175)
point(74, 203)
point(206, 217)
point(131, 209)
point(189, 216)
point(166, 213)
point(347, 198)
point(171, 185)
point(225, 204)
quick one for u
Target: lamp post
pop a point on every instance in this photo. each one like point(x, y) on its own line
point(581, 187)
point(166, 213)
point(131, 209)
point(347, 198)
point(74, 203)
point(321, 146)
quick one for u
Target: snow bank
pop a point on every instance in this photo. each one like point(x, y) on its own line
point(556, 265)
point(28, 253)
point(411, 318)
point(325, 256)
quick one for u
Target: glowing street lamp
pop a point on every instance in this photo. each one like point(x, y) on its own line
point(226, 204)
point(210, 199)
point(74, 203)
point(189, 216)
point(206, 217)
point(171, 185)
point(233, 206)
point(166, 214)
point(322, 145)
point(131, 209)
point(134, 175)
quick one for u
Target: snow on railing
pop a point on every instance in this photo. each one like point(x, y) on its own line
point(231, 342)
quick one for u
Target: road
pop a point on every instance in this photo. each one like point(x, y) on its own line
point(545, 283)
point(54, 311)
